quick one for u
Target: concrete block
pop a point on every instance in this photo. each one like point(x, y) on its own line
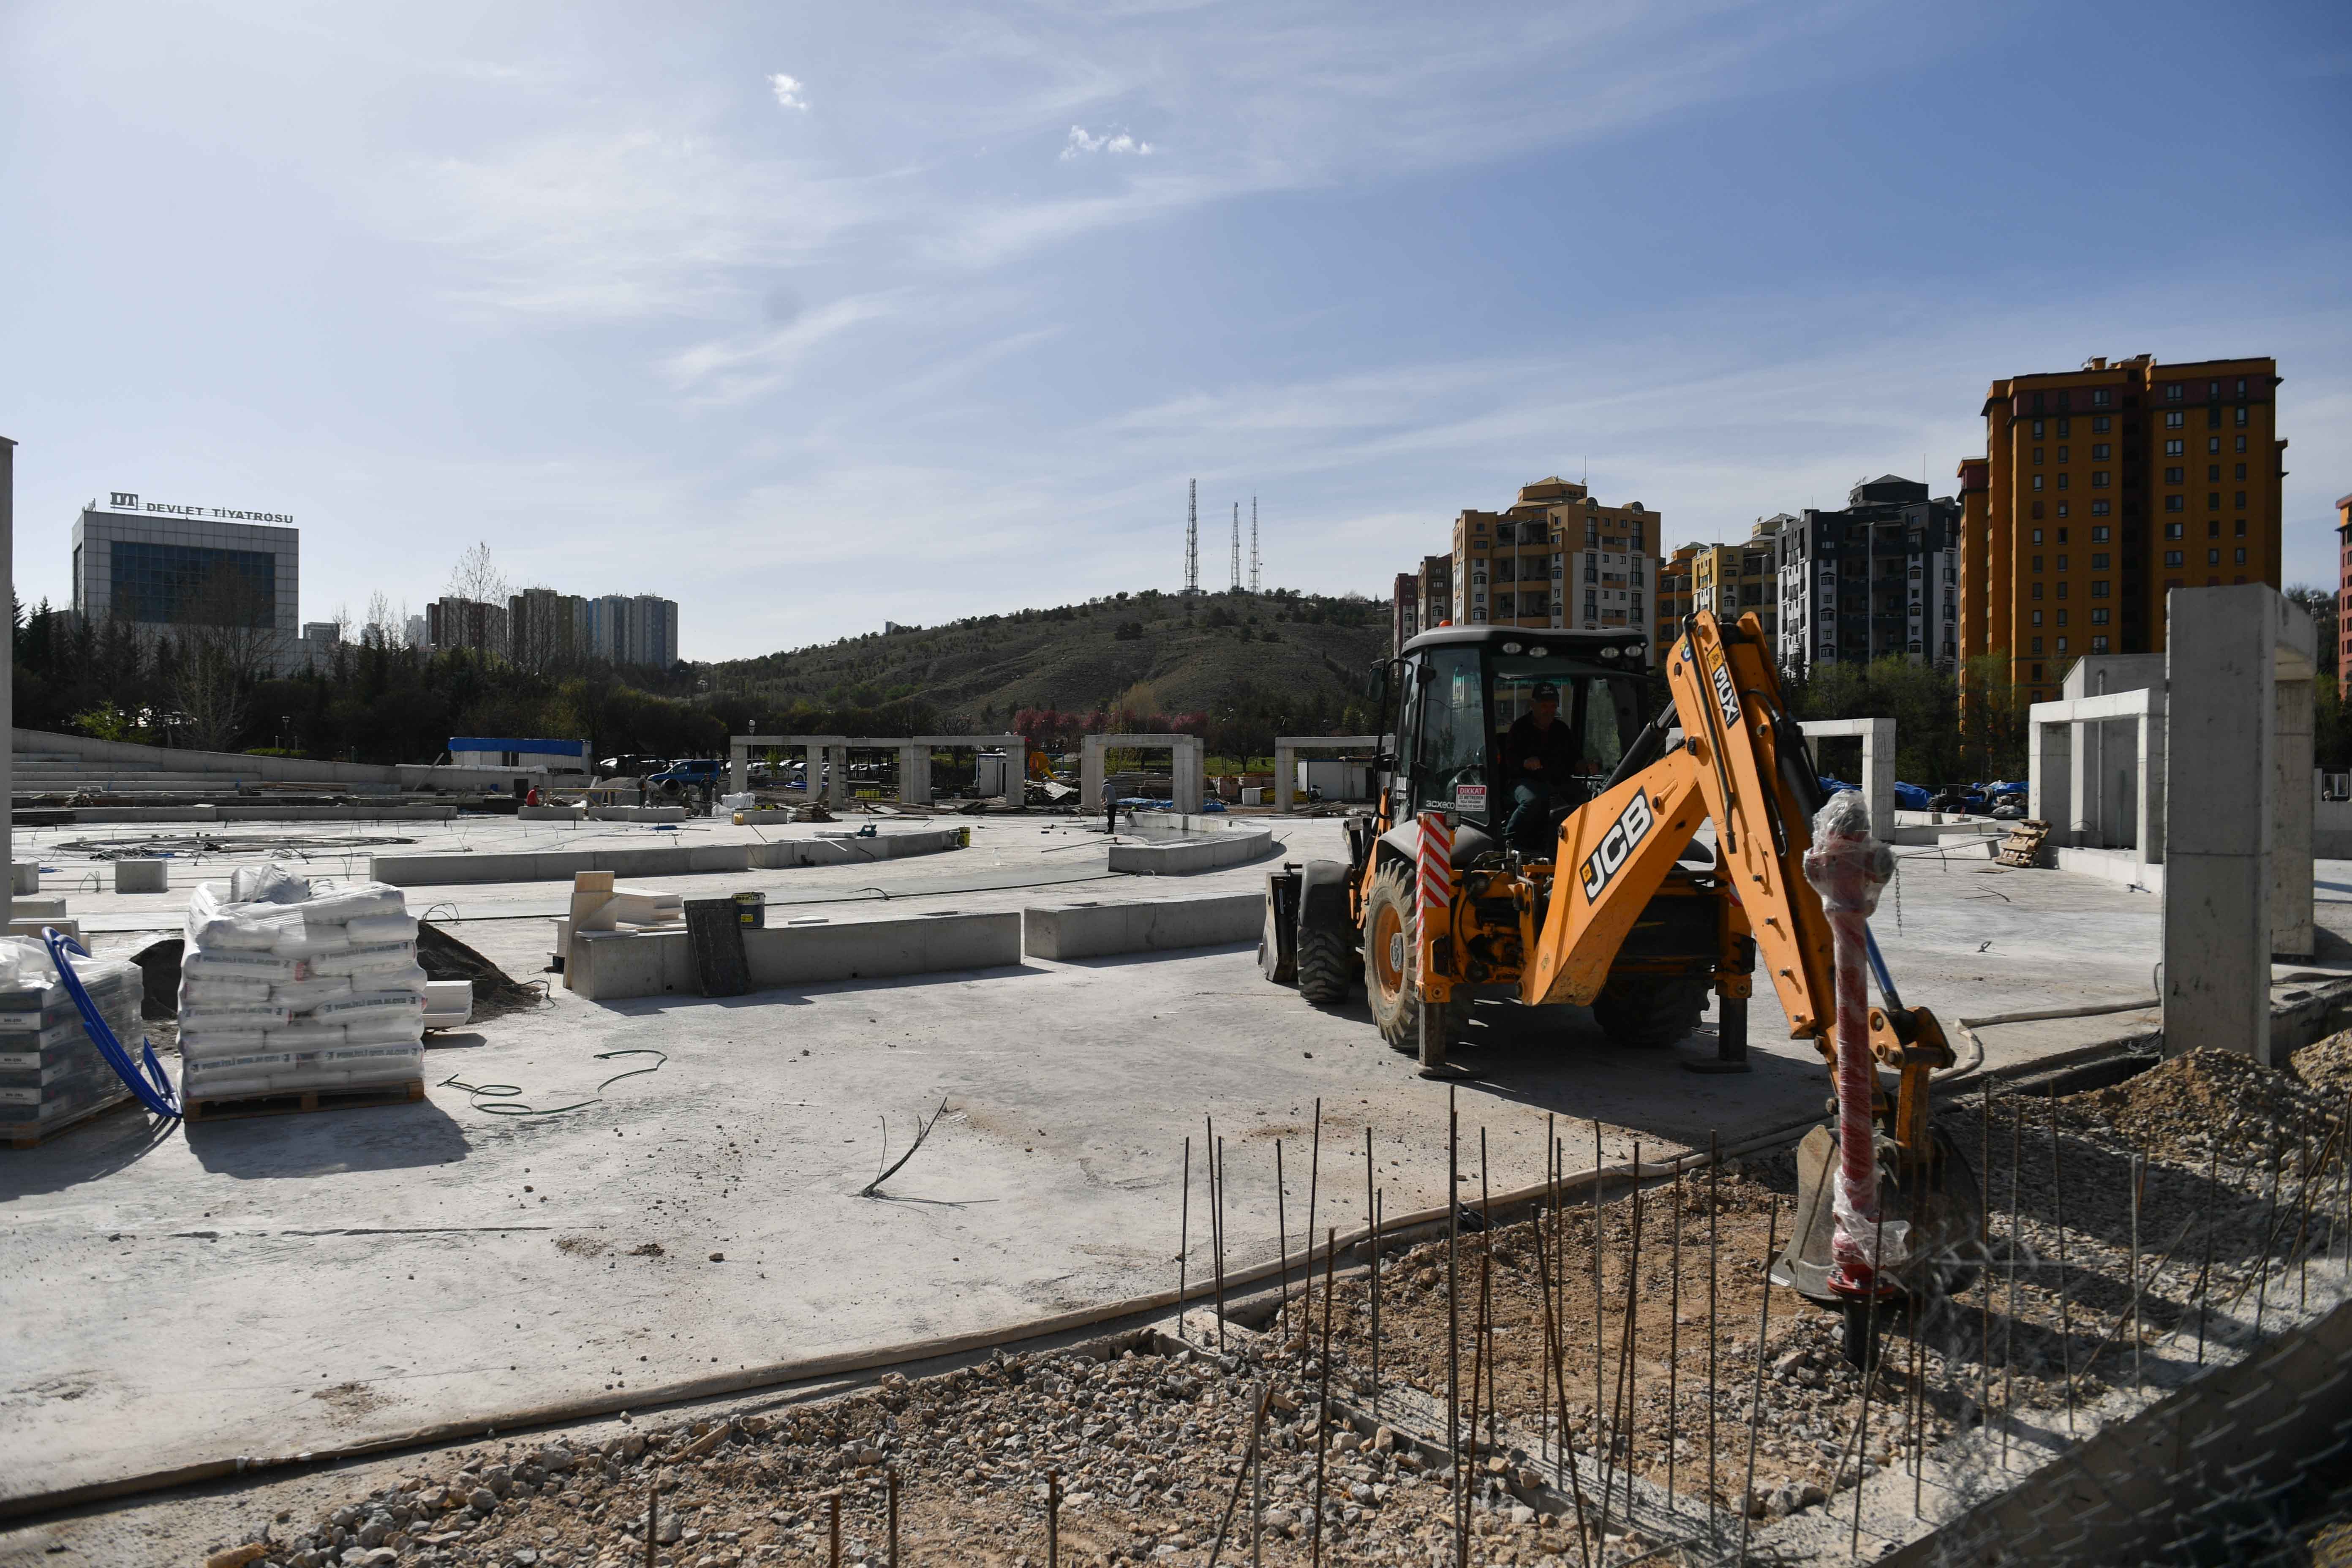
point(605, 966)
point(636, 813)
point(143, 875)
point(848, 849)
point(548, 813)
point(25, 877)
point(40, 907)
point(1094, 930)
point(34, 928)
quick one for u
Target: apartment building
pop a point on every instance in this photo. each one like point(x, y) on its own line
point(1733, 579)
point(2104, 489)
point(1557, 557)
point(2344, 589)
point(1877, 580)
point(1423, 598)
point(1673, 595)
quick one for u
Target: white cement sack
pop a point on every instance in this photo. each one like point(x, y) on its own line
point(272, 884)
point(382, 928)
point(231, 1015)
point(196, 992)
point(389, 1031)
point(360, 900)
point(306, 943)
point(379, 1063)
point(372, 1007)
point(235, 963)
point(304, 1037)
point(210, 1045)
point(374, 958)
point(301, 995)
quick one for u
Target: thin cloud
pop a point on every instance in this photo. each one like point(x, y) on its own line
point(788, 91)
point(1119, 145)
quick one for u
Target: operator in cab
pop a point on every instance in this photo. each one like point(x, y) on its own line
point(1541, 765)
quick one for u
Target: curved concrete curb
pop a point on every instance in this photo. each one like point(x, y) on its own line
point(609, 965)
point(1197, 844)
point(848, 849)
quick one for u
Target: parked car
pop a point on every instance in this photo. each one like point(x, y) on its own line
point(630, 767)
point(705, 773)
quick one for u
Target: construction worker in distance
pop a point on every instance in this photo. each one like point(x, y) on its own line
point(1542, 768)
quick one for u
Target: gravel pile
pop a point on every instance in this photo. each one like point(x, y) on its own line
point(2180, 1110)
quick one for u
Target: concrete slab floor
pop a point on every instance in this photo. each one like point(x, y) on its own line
point(291, 1283)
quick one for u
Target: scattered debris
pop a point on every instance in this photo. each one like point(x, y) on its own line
point(873, 1189)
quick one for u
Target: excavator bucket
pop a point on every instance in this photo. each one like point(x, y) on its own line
point(1940, 1204)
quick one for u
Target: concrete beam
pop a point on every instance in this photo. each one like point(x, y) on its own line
point(607, 966)
point(1092, 930)
point(1877, 765)
point(1186, 773)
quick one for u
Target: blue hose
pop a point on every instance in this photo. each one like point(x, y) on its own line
point(154, 1085)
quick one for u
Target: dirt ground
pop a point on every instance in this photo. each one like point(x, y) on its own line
point(1146, 1449)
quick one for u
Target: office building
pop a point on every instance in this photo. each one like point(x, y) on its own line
point(1878, 580)
point(320, 641)
point(1733, 579)
point(169, 568)
point(1557, 557)
point(2101, 490)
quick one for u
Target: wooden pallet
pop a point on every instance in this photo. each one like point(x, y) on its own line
point(2024, 844)
point(34, 1137)
point(294, 1101)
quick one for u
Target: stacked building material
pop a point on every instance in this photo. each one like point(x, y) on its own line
point(286, 987)
point(50, 1070)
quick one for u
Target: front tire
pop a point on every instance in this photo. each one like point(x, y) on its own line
point(1391, 930)
point(1323, 966)
point(1648, 1011)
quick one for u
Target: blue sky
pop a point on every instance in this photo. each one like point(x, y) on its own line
point(811, 317)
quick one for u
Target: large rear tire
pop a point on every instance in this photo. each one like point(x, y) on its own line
point(1325, 968)
point(1392, 929)
point(1648, 1011)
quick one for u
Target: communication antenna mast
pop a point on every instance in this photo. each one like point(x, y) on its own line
point(1237, 547)
point(1254, 587)
point(1193, 540)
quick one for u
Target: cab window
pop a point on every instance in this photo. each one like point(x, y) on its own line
point(1449, 737)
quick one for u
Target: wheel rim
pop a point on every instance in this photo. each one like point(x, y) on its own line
point(1387, 950)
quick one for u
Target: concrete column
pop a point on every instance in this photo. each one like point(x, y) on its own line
point(2081, 824)
point(2049, 761)
point(1878, 777)
point(739, 753)
point(1187, 768)
point(1286, 775)
point(1016, 770)
point(2292, 935)
point(1090, 773)
point(2221, 771)
point(836, 793)
point(914, 774)
point(2151, 760)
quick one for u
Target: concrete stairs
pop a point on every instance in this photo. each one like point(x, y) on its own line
point(55, 771)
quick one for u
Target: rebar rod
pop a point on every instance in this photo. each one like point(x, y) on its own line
point(1714, 1186)
point(1871, 1358)
point(1183, 1241)
point(1323, 1415)
point(2058, 1218)
point(1673, 1333)
point(1763, 1328)
point(1554, 1349)
point(2009, 1330)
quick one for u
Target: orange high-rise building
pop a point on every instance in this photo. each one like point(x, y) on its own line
point(2101, 490)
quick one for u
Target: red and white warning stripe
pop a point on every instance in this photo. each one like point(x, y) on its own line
point(1436, 861)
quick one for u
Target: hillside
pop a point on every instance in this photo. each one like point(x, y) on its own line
point(1246, 665)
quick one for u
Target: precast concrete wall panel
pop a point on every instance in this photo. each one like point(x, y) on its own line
point(1094, 930)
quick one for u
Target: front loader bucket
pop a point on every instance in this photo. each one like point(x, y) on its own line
point(1946, 1249)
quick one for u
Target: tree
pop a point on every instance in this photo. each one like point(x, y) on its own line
point(2319, 604)
point(478, 578)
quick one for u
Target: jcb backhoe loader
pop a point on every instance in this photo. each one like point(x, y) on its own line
point(1605, 899)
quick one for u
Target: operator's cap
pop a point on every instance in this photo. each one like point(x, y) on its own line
point(1546, 691)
